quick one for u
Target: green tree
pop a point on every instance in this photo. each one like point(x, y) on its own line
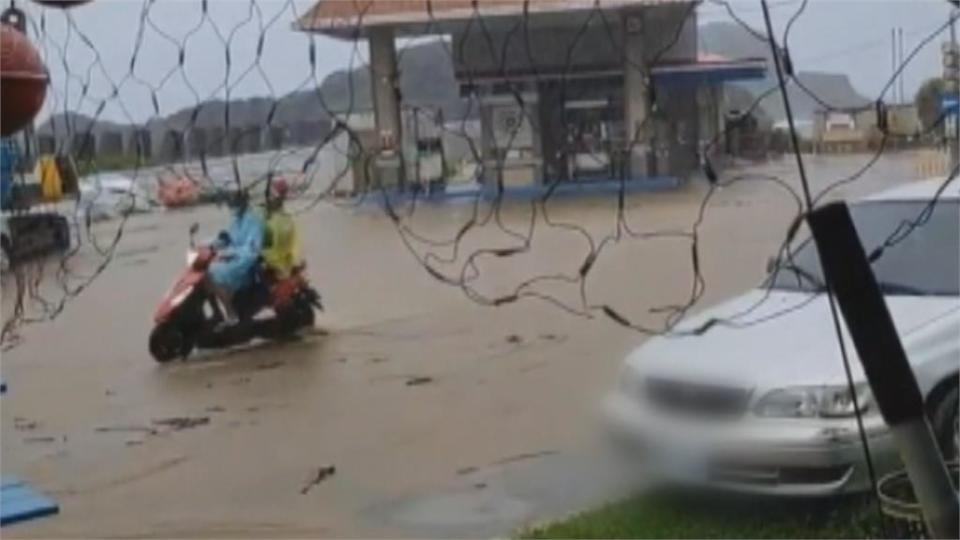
point(927, 101)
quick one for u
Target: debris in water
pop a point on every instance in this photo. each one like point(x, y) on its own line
point(134, 443)
point(136, 262)
point(480, 485)
point(22, 424)
point(30, 440)
point(525, 456)
point(126, 429)
point(136, 251)
point(176, 423)
point(269, 365)
point(514, 339)
point(509, 459)
point(215, 408)
point(322, 474)
point(378, 360)
point(417, 381)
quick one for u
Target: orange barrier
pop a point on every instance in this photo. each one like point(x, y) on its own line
point(177, 192)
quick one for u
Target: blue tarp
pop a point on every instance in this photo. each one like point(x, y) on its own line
point(20, 502)
point(569, 188)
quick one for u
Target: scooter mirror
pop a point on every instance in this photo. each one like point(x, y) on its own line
point(193, 232)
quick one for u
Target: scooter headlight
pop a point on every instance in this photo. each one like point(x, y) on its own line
point(192, 256)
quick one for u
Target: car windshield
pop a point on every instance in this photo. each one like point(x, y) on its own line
point(921, 262)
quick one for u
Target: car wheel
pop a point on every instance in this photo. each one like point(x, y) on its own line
point(305, 315)
point(945, 425)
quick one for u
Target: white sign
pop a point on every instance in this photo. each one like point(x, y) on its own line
point(511, 127)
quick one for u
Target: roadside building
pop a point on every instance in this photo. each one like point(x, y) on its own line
point(856, 130)
point(565, 90)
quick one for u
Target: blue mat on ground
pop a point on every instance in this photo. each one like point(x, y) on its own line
point(20, 502)
point(571, 188)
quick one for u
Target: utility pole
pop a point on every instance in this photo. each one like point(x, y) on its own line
point(893, 63)
point(900, 61)
point(951, 75)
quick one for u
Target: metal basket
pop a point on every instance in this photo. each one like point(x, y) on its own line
point(898, 500)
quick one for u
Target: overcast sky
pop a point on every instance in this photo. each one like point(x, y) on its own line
point(842, 36)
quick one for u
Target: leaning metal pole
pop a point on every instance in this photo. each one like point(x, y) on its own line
point(884, 360)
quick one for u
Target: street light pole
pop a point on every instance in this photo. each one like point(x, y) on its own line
point(955, 51)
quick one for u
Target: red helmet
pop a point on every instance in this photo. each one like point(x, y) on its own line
point(279, 188)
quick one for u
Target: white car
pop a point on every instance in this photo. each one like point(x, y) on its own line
point(110, 195)
point(760, 403)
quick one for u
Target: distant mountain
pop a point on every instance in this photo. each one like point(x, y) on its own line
point(72, 122)
point(734, 41)
point(426, 78)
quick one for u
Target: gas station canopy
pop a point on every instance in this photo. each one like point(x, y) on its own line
point(351, 18)
point(709, 69)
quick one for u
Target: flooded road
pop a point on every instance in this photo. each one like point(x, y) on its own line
point(440, 417)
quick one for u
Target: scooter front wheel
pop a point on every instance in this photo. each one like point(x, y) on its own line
point(169, 342)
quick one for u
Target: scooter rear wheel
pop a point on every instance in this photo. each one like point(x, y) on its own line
point(168, 342)
point(305, 315)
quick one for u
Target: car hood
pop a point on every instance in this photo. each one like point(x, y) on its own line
point(789, 337)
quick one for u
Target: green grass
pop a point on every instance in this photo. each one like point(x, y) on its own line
point(675, 516)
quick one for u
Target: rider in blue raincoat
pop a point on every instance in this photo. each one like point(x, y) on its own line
point(237, 253)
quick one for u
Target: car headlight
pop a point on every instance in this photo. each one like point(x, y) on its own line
point(812, 401)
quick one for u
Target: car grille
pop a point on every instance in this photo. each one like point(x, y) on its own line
point(758, 475)
point(708, 401)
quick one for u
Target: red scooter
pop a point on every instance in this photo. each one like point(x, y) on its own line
point(189, 316)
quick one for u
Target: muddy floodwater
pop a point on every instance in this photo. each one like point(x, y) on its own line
point(417, 412)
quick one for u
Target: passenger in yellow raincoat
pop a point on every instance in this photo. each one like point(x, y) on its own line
point(281, 245)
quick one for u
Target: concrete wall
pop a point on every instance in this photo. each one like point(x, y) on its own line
point(197, 142)
point(275, 137)
point(140, 141)
point(216, 141)
point(83, 146)
point(170, 146)
point(110, 143)
point(308, 133)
